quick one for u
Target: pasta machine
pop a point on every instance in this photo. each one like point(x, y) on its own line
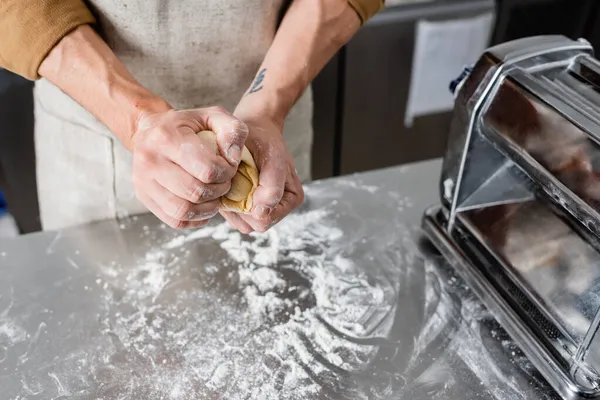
point(519, 212)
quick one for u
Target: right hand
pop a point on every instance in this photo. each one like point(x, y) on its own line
point(176, 175)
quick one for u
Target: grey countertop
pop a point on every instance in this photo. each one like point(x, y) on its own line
point(342, 300)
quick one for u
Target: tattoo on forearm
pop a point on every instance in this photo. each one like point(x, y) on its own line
point(257, 85)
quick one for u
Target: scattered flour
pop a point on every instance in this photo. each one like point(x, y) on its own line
point(353, 183)
point(475, 354)
point(296, 313)
point(254, 322)
point(11, 332)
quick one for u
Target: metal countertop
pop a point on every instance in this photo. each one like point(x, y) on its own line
point(342, 300)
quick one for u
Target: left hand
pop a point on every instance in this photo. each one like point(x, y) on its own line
point(279, 191)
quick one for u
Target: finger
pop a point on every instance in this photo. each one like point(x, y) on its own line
point(179, 209)
point(179, 182)
point(286, 206)
point(196, 157)
point(231, 136)
point(172, 222)
point(292, 198)
point(289, 202)
point(236, 222)
point(231, 132)
point(271, 185)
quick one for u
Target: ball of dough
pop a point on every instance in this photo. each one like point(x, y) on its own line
point(240, 187)
point(243, 184)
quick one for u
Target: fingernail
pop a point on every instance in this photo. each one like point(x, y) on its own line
point(202, 216)
point(234, 153)
point(261, 212)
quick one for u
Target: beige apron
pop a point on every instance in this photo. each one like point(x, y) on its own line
point(191, 53)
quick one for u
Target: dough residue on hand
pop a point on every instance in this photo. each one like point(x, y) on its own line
point(243, 184)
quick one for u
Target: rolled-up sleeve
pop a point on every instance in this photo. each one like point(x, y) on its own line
point(31, 28)
point(366, 8)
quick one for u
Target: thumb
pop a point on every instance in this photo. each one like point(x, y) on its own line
point(231, 135)
point(270, 188)
point(230, 131)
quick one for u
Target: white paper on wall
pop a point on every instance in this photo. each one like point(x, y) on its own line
point(442, 50)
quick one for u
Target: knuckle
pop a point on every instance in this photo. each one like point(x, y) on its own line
point(276, 194)
point(194, 190)
point(239, 129)
point(182, 211)
point(163, 135)
point(145, 158)
point(210, 173)
point(194, 194)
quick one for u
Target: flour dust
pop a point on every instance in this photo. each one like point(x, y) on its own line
point(303, 311)
point(254, 321)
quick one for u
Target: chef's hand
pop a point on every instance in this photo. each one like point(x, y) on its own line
point(280, 190)
point(177, 175)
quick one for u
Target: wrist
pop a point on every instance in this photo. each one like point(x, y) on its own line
point(264, 105)
point(137, 104)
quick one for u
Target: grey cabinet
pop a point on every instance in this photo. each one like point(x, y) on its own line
point(17, 155)
point(367, 87)
point(326, 119)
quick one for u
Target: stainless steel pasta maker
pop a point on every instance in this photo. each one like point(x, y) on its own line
point(519, 217)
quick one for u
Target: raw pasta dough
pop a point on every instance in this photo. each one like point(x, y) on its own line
point(243, 184)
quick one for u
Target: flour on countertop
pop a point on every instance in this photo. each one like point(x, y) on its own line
point(353, 183)
point(163, 337)
point(11, 332)
point(296, 313)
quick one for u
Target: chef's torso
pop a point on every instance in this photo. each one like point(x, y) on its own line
point(192, 54)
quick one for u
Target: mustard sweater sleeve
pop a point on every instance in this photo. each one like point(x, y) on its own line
point(31, 28)
point(365, 8)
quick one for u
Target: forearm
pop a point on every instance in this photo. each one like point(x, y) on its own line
point(310, 34)
point(86, 69)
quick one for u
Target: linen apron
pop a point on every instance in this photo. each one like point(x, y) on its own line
point(192, 53)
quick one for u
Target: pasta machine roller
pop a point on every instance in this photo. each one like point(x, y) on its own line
point(519, 212)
